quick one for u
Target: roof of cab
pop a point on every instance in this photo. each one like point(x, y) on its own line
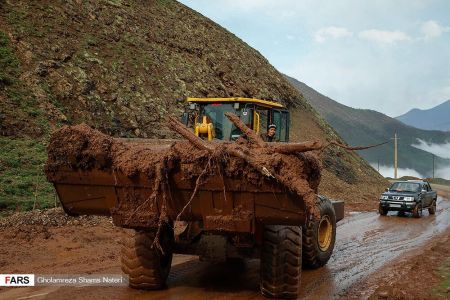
point(411, 181)
point(265, 103)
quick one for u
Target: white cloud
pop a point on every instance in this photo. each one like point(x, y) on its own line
point(384, 36)
point(290, 37)
point(442, 150)
point(388, 171)
point(443, 172)
point(332, 32)
point(431, 29)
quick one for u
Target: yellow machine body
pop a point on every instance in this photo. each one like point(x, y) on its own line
point(204, 129)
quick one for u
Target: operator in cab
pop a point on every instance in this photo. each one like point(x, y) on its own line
point(270, 135)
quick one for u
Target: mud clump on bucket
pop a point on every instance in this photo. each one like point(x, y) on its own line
point(81, 148)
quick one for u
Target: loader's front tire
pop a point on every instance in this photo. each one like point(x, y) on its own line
point(145, 265)
point(281, 261)
point(319, 236)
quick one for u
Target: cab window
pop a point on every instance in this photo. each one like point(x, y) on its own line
point(263, 120)
point(281, 119)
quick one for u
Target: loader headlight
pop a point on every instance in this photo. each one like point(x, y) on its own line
point(409, 198)
point(384, 197)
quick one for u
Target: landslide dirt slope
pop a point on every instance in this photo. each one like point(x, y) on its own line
point(123, 66)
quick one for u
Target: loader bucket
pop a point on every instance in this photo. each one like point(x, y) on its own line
point(137, 181)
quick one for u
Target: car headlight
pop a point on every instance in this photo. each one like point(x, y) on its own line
point(384, 197)
point(409, 198)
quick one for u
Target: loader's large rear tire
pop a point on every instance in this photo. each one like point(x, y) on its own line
point(145, 265)
point(281, 261)
point(319, 236)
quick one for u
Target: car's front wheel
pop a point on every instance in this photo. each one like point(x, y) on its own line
point(383, 211)
point(432, 208)
point(417, 211)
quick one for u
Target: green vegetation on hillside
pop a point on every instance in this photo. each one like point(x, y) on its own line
point(22, 181)
point(9, 64)
point(20, 113)
point(123, 66)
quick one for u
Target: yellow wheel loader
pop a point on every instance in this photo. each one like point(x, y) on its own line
point(208, 195)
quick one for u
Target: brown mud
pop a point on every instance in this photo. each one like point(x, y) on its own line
point(83, 148)
point(419, 274)
point(366, 245)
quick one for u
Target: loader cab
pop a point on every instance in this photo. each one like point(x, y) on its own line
point(207, 117)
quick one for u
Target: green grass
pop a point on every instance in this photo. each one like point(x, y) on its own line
point(444, 273)
point(20, 101)
point(22, 181)
point(9, 64)
point(23, 184)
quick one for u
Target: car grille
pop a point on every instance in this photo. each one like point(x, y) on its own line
point(395, 197)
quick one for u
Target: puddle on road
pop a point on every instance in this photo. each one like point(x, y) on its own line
point(366, 241)
point(351, 213)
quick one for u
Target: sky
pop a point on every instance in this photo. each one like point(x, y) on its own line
point(386, 55)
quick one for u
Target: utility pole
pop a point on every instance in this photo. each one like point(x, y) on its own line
point(395, 156)
point(378, 165)
point(433, 166)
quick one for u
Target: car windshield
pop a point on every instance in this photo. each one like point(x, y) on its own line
point(405, 187)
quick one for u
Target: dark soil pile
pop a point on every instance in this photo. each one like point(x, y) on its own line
point(37, 224)
point(55, 217)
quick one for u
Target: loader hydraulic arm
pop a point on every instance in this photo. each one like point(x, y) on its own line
point(204, 129)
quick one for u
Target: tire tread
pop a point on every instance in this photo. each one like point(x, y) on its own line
point(141, 262)
point(281, 261)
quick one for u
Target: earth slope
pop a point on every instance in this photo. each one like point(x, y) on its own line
point(123, 66)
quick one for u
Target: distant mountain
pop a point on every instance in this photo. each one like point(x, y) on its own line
point(436, 118)
point(365, 127)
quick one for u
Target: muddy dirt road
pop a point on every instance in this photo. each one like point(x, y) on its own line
point(365, 242)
